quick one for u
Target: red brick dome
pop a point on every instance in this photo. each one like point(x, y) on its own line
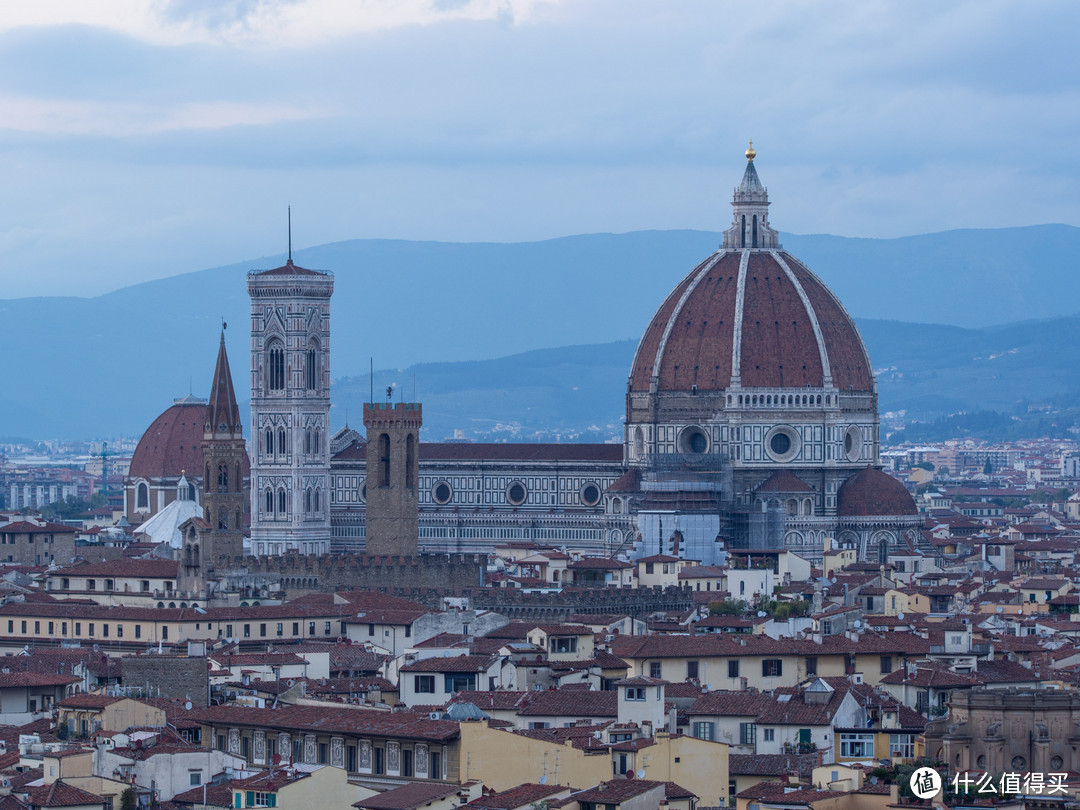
point(172, 443)
point(871, 492)
point(770, 324)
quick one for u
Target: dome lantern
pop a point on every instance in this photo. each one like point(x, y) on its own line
point(750, 225)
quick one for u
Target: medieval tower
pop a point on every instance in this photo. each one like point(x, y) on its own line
point(393, 478)
point(220, 532)
point(290, 410)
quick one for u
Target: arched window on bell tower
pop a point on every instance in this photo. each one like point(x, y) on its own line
point(275, 362)
point(311, 367)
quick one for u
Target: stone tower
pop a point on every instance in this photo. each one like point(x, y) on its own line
point(220, 532)
point(393, 478)
point(290, 410)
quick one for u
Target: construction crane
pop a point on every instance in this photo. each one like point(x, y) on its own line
point(105, 470)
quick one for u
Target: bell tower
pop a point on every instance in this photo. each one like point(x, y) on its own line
point(290, 410)
point(224, 457)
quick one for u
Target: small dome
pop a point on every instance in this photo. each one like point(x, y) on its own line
point(172, 443)
point(874, 493)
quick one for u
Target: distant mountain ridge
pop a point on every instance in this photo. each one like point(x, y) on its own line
point(108, 365)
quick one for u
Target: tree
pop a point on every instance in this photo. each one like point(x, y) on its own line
point(129, 799)
point(727, 607)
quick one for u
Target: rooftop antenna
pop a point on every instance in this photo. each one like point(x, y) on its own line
point(371, 379)
point(290, 234)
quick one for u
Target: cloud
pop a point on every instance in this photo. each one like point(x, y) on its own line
point(64, 117)
point(281, 24)
point(161, 136)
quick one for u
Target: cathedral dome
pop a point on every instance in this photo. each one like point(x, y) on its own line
point(172, 443)
point(765, 321)
point(752, 360)
point(751, 316)
point(873, 493)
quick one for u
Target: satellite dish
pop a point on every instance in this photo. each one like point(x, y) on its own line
point(900, 616)
point(641, 774)
point(761, 614)
point(543, 779)
point(1000, 609)
point(858, 623)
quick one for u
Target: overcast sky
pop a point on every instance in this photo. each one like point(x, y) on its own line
point(144, 138)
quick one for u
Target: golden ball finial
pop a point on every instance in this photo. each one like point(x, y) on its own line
point(750, 153)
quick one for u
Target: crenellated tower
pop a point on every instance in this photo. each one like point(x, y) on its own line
point(393, 478)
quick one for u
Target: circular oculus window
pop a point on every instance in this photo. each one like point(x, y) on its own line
point(853, 441)
point(361, 491)
point(442, 492)
point(693, 440)
point(590, 494)
point(782, 443)
point(516, 493)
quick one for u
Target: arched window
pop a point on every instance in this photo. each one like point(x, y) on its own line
point(311, 368)
point(317, 499)
point(269, 442)
point(307, 442)
point(281, 446)
point(206, 480)
point(223, 520)
point(742, 234)
point(384, 460)
point(316, 436)
point(269, 502)
point(808, 505)
point(307, 500)
point(410, 460)
point(142, 496)
point(754, 237)
point(195, 554)
point(275, 358)
point(237, 482)
point(281, 501)
point(223, 478)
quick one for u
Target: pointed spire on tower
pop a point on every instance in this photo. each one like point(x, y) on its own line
point(222, 412)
